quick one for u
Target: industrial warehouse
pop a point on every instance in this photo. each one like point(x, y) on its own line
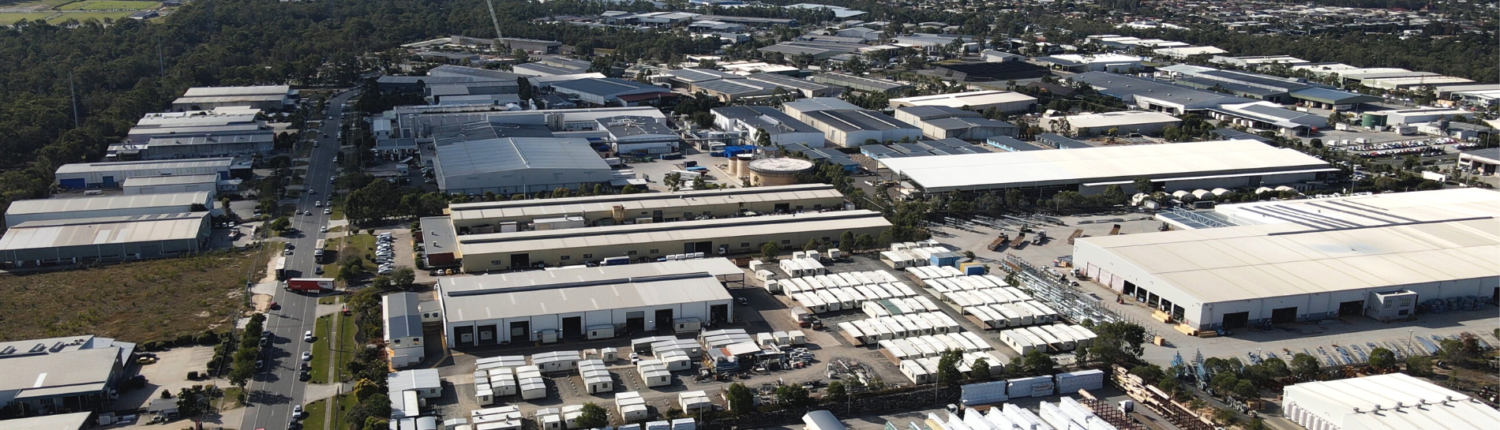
point(112, 174)
point(548, 306)
point(116, 238)
point(1179, 166)
point(648, 242)
point(1287, 261)
point(94, 207)
point(520, 215)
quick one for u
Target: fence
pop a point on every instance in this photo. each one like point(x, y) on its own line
point(1049, 286)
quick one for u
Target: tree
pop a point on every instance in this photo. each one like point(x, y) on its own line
point(592, 416)
point(1148, 372)
point(364, 388)
point(193, 401)
point(403, 278)
point(520, 55)
point(846, 240)
point(762, 139)
point(1114, 195)
point(1038, 363)
point(630, 189)
point(1381, 358)
point(812, 244)
point(836, 391)
point(1275, 368)
point(1118, 342)
point(1418, 365)
point(1144, 185)
point(769, 251)
point(1223, 382)
point(1224, 416)
point(947, 370)
point(1245, 390)
point(741, 399)
point(792, 395)
point(279, 225)
point(980, 370)
point(1305, 367)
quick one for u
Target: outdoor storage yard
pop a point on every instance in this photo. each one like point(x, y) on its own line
point(137, 302)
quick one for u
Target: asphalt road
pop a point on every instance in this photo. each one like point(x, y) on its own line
point(276, 389)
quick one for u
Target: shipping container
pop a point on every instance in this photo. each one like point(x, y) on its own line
point(1071, 382)
point(983, 393)
point(1036, 386)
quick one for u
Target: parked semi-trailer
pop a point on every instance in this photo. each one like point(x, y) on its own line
point(309, 284)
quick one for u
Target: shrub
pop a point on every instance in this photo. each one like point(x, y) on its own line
point(184, 339)
point(192, 375)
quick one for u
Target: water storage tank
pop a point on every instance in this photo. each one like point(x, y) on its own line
point(777, 171)
point(741, 165)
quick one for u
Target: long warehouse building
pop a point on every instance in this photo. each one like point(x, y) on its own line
point(94, 207)
point(1287, 261)
point(112, 174)
point(1178, 166)
point(489, 217)
point(118, 238)
point(606, 301)
point(648, 242)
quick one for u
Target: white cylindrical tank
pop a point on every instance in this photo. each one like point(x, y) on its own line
point(777, 171)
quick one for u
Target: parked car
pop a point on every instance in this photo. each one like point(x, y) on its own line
point(306, 355)
point(308, 336)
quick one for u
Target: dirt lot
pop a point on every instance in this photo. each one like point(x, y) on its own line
point(137, 301)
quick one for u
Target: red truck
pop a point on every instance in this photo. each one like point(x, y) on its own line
point(309, 284)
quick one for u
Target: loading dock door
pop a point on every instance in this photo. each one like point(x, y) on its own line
point(520, 261)
point(74, 184)
point(1284, 315)
point(572, 326)
point(520, 331)
point(487, 335)
point(465, 335)
point(1356, 307)
point(663, 318)
point(718, 314)
point(635, 322)
point(1236, 320)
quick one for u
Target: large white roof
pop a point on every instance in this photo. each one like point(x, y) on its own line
point(1325, 245)
point(639, 202)
point(1042, 168)
point(1117, 119)
point(105, 230)
point(85, 204)
point(478, 245)
point(280, 90)
point(550, 292)
point(958, 100)
point(1393, 401)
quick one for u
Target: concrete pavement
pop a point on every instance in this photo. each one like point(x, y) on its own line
point(276, 390)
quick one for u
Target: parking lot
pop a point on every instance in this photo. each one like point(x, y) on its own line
point(655, 171)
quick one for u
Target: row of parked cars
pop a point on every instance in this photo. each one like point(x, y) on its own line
point(385, 254)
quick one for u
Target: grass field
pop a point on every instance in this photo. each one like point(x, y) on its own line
point(30, 3)
point(319, 372)
point(109, 5)
point(11, 18)
point(362, 245)
point(315, 412)
point(322, 354)
point(137, 301)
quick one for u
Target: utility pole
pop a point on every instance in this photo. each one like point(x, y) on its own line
point(73, 97)
point(499, 37)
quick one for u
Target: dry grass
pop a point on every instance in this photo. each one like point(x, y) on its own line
point(137, 301)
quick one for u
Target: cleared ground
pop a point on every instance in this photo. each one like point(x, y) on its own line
point(110, 5)
point(138, 301)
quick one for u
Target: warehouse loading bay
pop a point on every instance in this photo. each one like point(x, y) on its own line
point(1297, 337)
point(771, 313)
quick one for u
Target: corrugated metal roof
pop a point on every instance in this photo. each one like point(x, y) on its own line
point(73, 421)
point(551, 292)
point(519, 242)
point(640, 202)
point(971, 98)
point(1006, 169)
point(1393, 401)
point(79, 371)
point(1324, 245)
point(105, 230)
point(85, 204)
point(277, 90)
point(402, 318)
point(857, 120)
point(468, 157)
point(700, 75)
point(149, 181)
point(224, 162)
